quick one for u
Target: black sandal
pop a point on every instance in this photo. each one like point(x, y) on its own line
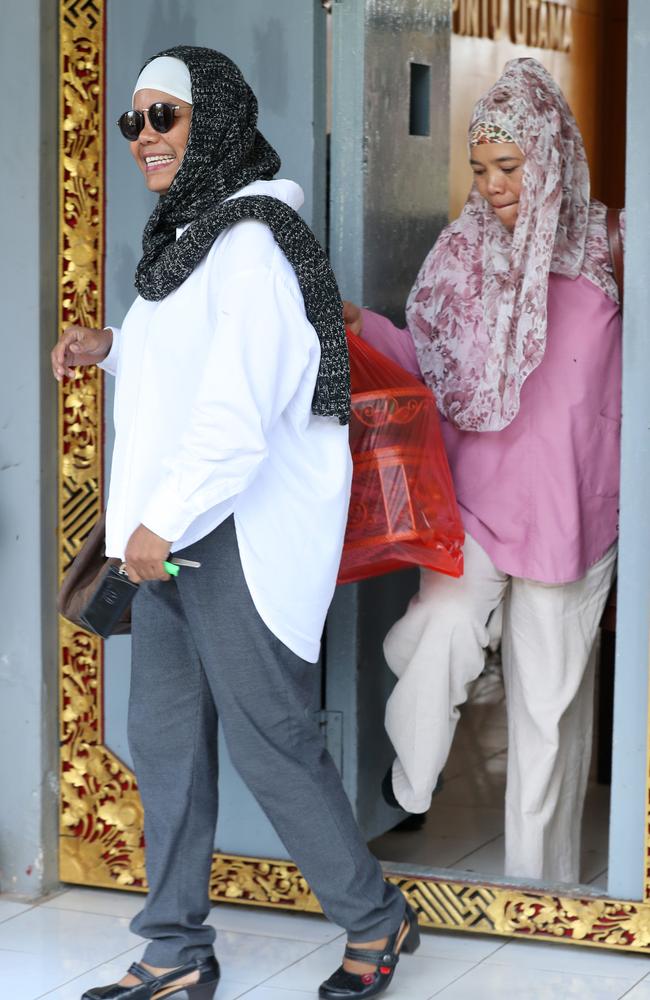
point(203, 989)
point(343, 984)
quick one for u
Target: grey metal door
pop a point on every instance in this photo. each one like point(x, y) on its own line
point(389, 196)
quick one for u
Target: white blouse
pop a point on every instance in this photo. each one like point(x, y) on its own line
point(214, 386)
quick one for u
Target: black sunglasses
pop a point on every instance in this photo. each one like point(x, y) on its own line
point(161, 118)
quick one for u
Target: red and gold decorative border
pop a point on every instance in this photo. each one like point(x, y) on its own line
point(81, 254)
point(101, 815)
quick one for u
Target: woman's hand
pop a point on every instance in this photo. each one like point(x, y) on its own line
point(79, 345)
point(145, 555)
point(353, 318)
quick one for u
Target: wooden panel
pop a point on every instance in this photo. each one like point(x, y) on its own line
point(613, 120)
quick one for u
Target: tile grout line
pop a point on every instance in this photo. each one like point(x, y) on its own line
point(60, 986)
point(531, 967)
point(469, 853)
point(284, 969)
point(90, 912)
point(222, 930)
point(645, 978)
point(248, 989)
point(597, 876)
point(467, 971)
point(28, 908)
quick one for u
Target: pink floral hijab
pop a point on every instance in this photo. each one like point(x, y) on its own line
point(477, 311)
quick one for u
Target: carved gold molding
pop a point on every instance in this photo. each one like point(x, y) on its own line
point(81, 252)
point(101, 815)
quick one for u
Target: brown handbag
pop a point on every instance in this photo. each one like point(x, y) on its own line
point(85, 579)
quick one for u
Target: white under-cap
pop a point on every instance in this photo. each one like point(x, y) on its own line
point(168, 74)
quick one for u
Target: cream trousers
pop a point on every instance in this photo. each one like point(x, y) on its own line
point(437, 650)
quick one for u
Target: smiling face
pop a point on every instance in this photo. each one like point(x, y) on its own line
point(498, 174)
point(159, 155)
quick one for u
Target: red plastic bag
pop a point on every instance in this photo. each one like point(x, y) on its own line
point(403, 510)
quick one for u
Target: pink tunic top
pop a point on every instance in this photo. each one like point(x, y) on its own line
point(541, 495)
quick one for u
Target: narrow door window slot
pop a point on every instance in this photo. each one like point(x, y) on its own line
point(420, 102)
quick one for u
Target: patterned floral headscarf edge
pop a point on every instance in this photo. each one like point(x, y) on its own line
point(484, 133)
point(477, 311)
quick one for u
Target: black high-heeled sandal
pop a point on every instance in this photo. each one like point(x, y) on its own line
point(343, 984)
point(203, 989)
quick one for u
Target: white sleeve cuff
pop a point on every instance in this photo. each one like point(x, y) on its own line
point(166, 515)
point(109, 364)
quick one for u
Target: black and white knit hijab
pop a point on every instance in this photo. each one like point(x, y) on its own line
point(225, 152)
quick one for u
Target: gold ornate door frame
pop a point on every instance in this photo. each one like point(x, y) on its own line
point(101, 841)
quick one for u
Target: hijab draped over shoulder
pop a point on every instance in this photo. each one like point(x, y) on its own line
point(477, 312)
point(225, 152)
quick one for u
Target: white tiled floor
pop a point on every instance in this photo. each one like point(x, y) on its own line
point(57, 949)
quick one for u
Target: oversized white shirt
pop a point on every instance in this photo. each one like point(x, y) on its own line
point(214, 386)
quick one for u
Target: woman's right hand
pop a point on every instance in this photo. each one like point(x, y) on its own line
point(79, 345)
point(353, 318)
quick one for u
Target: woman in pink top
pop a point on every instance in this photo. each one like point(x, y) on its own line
point(515, 325)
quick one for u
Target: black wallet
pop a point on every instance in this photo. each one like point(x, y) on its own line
point(108, 604)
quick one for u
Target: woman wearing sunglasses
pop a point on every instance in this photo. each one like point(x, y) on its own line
point(231, 450)
point(514, 323)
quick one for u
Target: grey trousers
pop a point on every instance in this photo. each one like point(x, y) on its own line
point(201, 652)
